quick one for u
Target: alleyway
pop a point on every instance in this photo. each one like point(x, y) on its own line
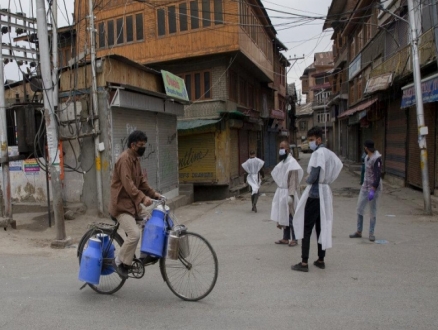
point(364, 286)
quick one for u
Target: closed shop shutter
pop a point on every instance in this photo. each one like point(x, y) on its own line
point(167, 152)
point(344, 138)
point(124, 121)
point(396, 135)
point(270, 149)
point(234, 154)
point(243, 149)
point(366, 133)
point(353, 143)
point(253, 141)
point(414, 169)
point(196, 158)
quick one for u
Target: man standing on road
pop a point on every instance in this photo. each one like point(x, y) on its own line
point(253, 167)
point(371, 189)
point(315, 207)
point(287, 174)
point(129, 189)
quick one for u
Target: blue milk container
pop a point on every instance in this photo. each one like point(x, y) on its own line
point(154, 235)
point(108, 250)
point(91, 262)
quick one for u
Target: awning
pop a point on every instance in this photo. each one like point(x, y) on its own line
point(235, 113)
point(357, 108)
point(183, 125)
point(277, 114)
point(429, 88)
point(379, 83)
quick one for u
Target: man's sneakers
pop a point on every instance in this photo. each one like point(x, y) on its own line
point(121, 269)
point(372, 238)
point(356, 235)
point(148, 260)
point(319, 264)
point(300, 267)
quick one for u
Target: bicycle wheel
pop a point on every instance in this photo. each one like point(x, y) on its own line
point(193, 277)
point(110, 281)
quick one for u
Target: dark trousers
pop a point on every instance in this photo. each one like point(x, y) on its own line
point(312, 217)
point(288, 230)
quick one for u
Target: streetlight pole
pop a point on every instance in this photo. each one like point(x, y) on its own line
point(422, 128)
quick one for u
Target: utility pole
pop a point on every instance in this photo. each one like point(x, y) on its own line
point(51, 125)
point(95, 111)
point(55, 52)
point(422, 128)
point(6, 187)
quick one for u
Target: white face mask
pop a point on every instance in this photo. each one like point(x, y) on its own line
point(312, 145)
point(282, 152)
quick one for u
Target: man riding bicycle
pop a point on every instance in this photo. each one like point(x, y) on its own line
point(129, 189)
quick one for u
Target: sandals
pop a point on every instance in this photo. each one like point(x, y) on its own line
point(281, 242)
point(293, 243)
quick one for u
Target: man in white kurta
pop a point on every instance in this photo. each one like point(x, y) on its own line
point(315, 208)
point(253, 166)
point(287, 174)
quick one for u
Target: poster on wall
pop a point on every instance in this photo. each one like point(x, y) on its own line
point(14, 165)
point(31, 167)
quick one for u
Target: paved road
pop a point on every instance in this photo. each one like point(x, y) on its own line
point(365, 285)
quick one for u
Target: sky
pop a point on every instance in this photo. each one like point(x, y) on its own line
point(301, 35)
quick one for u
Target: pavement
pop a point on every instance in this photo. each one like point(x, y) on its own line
point(393, 285)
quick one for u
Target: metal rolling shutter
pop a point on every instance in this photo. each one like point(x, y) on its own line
point(234, 154)
point(252, 141)
point(396, 134)
point(125, 121)
point(378, 136)
point(243, 149)
point(353, 143)
point(167, 153)
point(197, 161)
point(414, 168)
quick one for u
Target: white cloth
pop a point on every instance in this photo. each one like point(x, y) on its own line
point(280, 174)
point(253, 166)
point(330, 166)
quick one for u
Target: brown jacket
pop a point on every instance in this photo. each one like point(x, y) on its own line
point(128, 185)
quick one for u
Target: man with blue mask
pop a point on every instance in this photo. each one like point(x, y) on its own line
point(287, 174)
point(315, 207)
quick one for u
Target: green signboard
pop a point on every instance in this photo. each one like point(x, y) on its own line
point(175, 86)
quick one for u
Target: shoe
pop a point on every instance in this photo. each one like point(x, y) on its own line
point(121, 270)
point(299, 267)
point(255, 209)
point(372, 238)
point(356, 235)
point(320, 265)
point(148, 260)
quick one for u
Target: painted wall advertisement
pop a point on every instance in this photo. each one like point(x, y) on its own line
point(31, 167)
point(15, 165)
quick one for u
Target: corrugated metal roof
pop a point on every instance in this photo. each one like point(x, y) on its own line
point(195, 123)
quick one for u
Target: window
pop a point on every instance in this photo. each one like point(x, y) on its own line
point(352, 49)
point(233, 92)
point(120, 34)
point(359, 88)
point(110, 29)
point(129, 29)
point(319, 81)
point(360, 41)
point(161, 17)
point(323, 117)
point(198, 85)
point(250, 96)
point(207, 84)
point(102, 35)
point(218, 13)
point(139, 26)
point(206, 22)
point(194, 13)
point(243, 98)
point(183, 17)
point(171, 19)
point(303, 125)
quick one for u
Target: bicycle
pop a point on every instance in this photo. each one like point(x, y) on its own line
point(191, 276)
